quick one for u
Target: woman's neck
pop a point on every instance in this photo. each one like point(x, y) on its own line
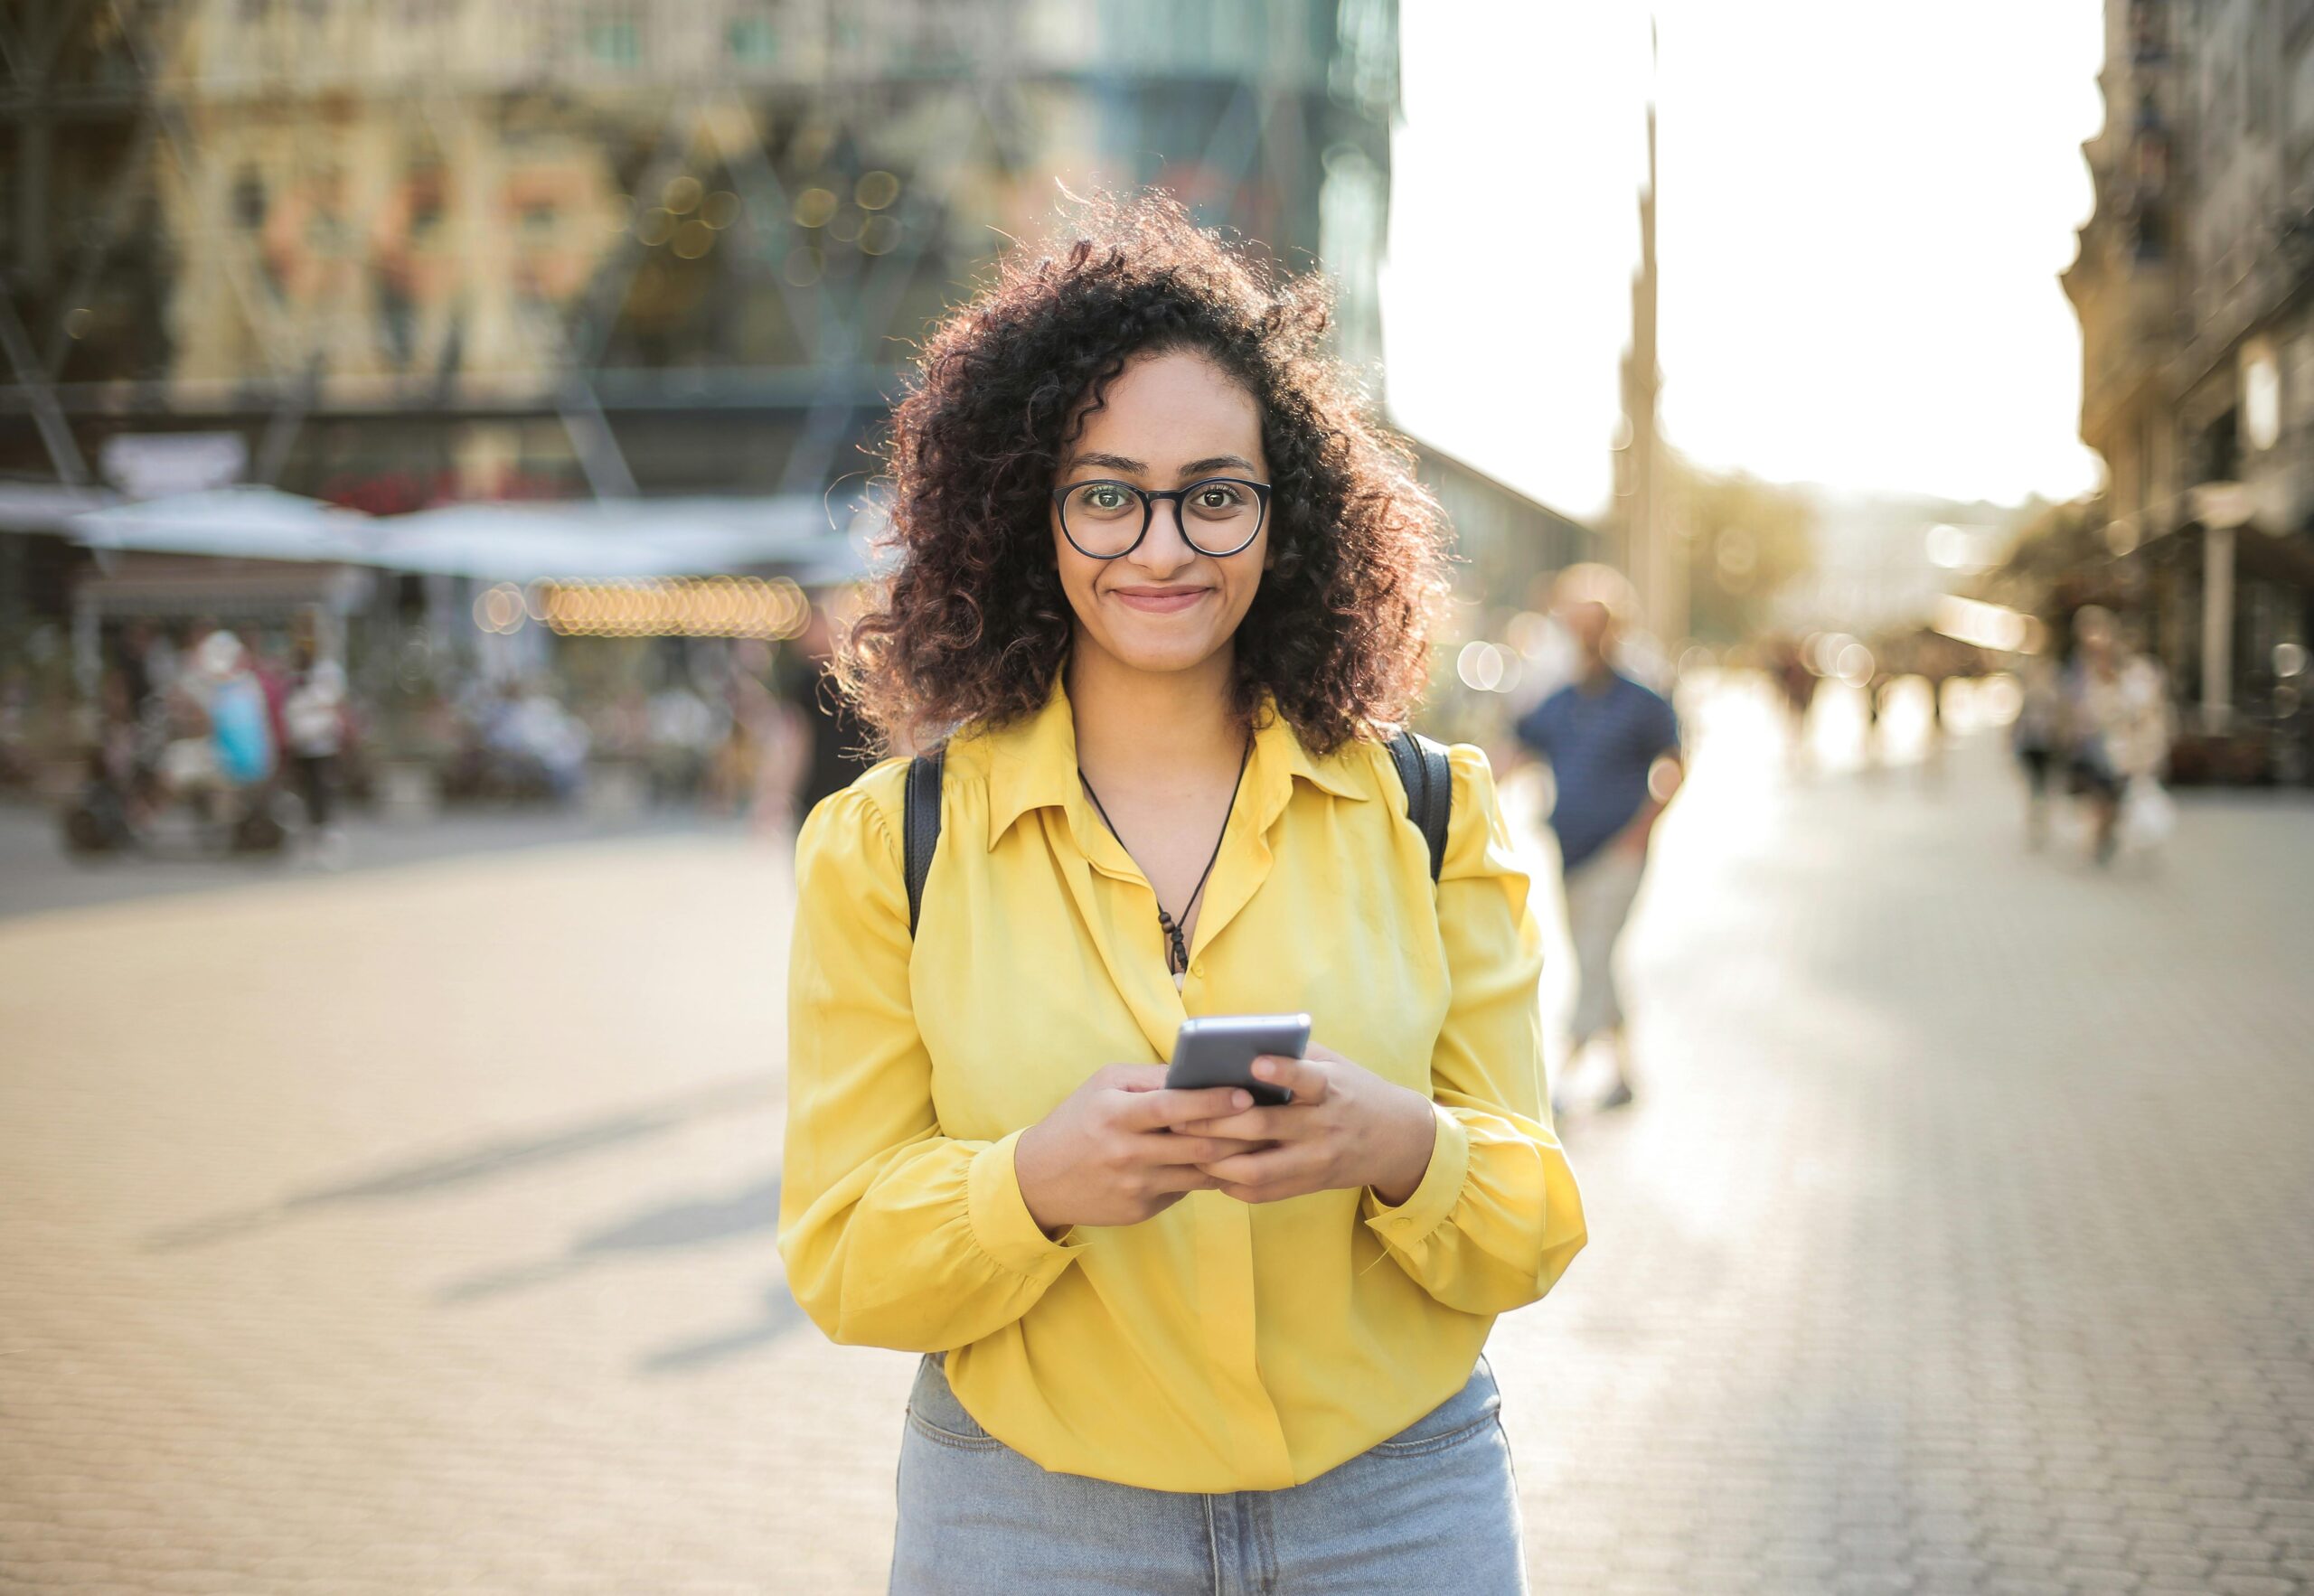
point(1154, 729)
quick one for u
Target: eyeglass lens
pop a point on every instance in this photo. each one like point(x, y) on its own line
point(1105, 517)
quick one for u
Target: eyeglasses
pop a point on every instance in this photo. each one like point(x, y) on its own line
point(1106, 520)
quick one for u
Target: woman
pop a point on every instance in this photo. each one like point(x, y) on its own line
point(2117, 722)
point(1165, 578)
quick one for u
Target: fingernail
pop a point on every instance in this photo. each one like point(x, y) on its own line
point(1264, 1069)
point(1241, 1100)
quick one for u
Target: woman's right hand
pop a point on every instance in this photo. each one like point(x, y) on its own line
point(1108, 1154)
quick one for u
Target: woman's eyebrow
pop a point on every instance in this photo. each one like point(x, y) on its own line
point(1215, 462)
point(1119, 462)
point(1114, 462)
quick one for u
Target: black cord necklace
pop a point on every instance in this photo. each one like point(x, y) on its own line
point(1177, 953)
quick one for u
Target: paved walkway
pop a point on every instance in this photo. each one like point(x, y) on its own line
point(37, 877)
point(1962, 1242)
point(411, 1231)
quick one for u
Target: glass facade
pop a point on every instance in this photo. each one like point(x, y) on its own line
point(453, 250)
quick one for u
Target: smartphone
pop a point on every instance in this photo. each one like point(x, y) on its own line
point(1219, 1050)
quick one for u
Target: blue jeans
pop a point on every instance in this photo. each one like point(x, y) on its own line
point(1435, 1509)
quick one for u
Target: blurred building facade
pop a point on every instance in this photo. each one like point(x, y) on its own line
point(661, 265)
point(392, 256)
point(1513, 544)
point(1507, 547)
point(2192, 283)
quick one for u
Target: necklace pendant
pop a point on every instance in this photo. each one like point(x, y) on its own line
point(1177, 955)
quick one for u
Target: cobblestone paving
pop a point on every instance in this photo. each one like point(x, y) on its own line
point(1963, 1240)
point(37, 877)
point(411, 1231)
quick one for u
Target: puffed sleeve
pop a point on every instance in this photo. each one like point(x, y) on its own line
point(893, 1234)
point(1497, 1218)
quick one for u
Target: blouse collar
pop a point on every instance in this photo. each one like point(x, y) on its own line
point(1032, 765)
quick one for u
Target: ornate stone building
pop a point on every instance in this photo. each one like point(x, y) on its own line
point(2198, 330)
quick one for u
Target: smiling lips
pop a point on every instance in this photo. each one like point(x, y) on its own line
point(1160, 601)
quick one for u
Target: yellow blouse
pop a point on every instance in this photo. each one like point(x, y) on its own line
point(1220, 1345)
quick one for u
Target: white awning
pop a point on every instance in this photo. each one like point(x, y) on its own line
point(237, 522)
point(47, 507)
point(591, 539)
point(603, 539)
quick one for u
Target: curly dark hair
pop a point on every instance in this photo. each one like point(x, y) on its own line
point(971, 623)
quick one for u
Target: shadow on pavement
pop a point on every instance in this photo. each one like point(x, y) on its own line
point(504, 1156)
point(690, 1223)
point(780, 1315)
point(676, 1225)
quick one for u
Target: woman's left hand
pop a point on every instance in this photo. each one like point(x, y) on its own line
point(1347, 1127)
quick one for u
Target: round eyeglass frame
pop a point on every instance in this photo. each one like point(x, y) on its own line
point(1149, 497)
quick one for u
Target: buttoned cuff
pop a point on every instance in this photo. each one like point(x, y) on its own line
point(1001, 1221)
point(1426, 1207)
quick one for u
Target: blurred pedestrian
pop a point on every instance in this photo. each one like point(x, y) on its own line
point(313, 717)
point(734, 767)
point(1796, 683)
point(2118, 727)
point(227, 742)
point(17, 764)
point(1933, 659)
point(2034, 738)
point(1156, 806)
point(622, 728)
point(141, 653)
point(778, 740)
point(122, 762)
point(690, 744)
point(1614, 748)
point(274, 673)
point(755, 765)
point(554, 742)
point(1874, 688)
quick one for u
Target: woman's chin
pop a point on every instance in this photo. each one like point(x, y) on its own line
point(1160, 655)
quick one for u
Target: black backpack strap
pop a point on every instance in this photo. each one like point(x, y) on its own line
point(920, 826)
point(1429, 783)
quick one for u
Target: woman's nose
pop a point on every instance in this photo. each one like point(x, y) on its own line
point(1166, 542)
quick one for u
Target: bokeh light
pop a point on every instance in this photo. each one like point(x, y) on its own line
point(814, 207)
point(721, 209)
point(703, 606)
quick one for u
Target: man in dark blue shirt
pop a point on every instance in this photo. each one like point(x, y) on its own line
point(1614, 750)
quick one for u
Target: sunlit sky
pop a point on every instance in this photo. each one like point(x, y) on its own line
point(1862, 212)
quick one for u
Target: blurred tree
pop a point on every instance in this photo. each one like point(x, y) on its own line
point(1746, 538)
point(2052, 543)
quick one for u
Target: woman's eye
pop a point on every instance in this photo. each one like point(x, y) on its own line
point(1218, 497)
